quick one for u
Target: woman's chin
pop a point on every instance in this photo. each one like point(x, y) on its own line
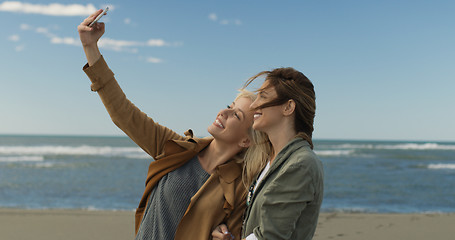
point(257, 126)
point(213, 130)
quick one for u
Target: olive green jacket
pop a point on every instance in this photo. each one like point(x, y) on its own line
point(286, 202)
point(220, 200)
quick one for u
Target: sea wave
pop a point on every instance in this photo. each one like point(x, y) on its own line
point(37, 153)
point(333, 153)
point(442, 166)
point(45, 165)
point(398, 146)
point(418, 146)
point(21, 158)
point(348, 210)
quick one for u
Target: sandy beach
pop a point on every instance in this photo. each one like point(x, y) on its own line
point(20, 224)
point(362, 226)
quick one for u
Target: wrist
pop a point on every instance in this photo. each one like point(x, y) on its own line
point(90, 46)
point(92, 53)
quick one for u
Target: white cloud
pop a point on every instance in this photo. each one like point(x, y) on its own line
point(53, 9)
point(14, 38)
point(213, 17)
point(66, 41)
point(104, 43)
point(131, 46)
point(154, 60)
point(42, 30)
point(119, 45)
point(45, 32)
point(25, 26)
point(156, 43)
point(19, 48)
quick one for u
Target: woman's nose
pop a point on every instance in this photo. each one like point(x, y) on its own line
point(253, 104)
point(224, 113)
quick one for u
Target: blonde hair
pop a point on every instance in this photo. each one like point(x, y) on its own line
point(255, 157)
point(243, 93)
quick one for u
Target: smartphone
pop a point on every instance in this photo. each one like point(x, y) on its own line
point(99, 16)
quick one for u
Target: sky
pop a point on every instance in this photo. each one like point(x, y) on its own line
point(382, 70)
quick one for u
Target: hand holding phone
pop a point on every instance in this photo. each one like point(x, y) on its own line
point(99, 16)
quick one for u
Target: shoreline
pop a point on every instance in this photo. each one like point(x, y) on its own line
point(70, 224)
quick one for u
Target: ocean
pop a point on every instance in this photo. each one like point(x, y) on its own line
point(108, 173)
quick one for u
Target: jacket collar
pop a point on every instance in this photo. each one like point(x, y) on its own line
point(229, 171)
point(189, 143)
point(284, 154)
point(227, 174)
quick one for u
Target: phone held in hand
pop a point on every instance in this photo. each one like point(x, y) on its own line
point(99, 16)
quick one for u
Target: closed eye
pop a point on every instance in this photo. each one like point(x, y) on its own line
point(235, 113)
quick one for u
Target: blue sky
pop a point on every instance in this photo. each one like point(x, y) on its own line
point(382, 69)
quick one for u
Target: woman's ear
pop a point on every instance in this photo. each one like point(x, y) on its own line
point(245, 142)
point(289, 107)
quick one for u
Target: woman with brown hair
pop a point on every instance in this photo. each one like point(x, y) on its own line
point(285, 199)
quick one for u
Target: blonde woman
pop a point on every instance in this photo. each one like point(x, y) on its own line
point(285, 199)
point(194, 184)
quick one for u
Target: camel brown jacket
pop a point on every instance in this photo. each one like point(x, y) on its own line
point(220, 200)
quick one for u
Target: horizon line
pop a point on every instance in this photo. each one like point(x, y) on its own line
point(125, 136)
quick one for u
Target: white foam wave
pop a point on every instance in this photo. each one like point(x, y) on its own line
point(441, 166)
point(29, 151)
point(418, 146)
point(21, 158)
point(398, 146)
point(142, 155)
point(44, 165)
point(355, 146)
point(333, 153)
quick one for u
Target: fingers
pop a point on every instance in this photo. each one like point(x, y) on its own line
point(89, 36)
point(222, 233)
point(224, 228)
point(217, 234)
point(92, 17)
point(84, 26)
point(100, 26)
point(221, 236)
point(228, 236)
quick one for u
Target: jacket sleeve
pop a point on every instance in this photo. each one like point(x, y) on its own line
point(284, 201)
point(147, 134)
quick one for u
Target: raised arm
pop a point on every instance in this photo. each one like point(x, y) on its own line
point(89, 37)
point(147, 134)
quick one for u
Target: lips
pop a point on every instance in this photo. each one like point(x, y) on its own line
point(257, 115)
point(218, 123)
